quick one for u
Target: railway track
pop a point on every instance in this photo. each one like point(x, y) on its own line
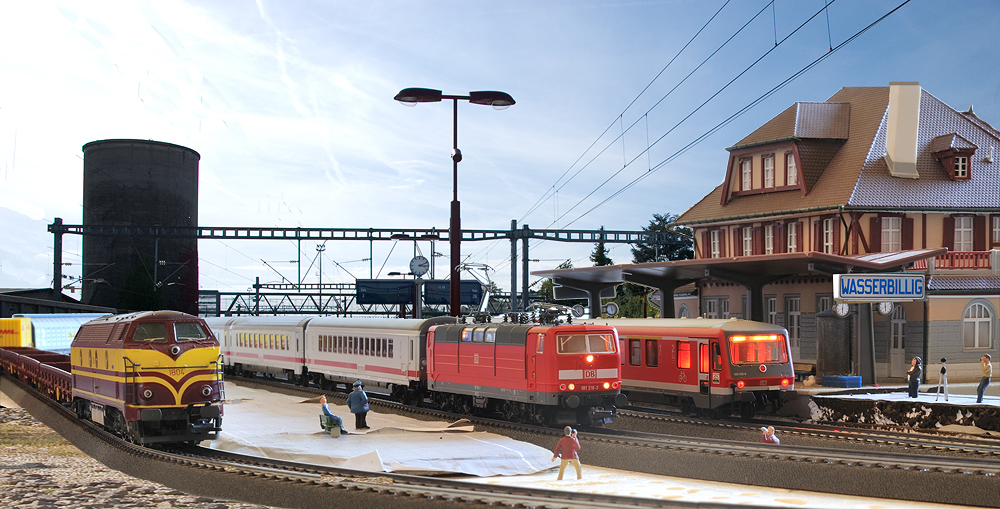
point(224, 475)
point(902, 440)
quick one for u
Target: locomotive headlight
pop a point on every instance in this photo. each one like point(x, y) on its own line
point(562, 387)
point(147, 394)
point(615, 385)
point(607, 385)
point(206, 391)
point(741, 384)
point(590, 359)
point(572, 387)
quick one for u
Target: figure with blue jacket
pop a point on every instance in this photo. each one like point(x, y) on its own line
point(358, 403)
point(334, 420)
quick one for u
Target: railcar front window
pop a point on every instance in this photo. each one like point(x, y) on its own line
point(152, 332)
point(189, 331)
point(585, 343)
point(763, 349)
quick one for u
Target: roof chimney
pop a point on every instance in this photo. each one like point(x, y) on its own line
point(901, 129)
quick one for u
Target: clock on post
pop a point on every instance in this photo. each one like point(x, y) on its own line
point(419, 265)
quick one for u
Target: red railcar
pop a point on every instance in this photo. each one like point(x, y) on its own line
point(547, 374)
point(718, 366)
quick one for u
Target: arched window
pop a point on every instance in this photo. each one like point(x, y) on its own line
point(683, 312)
point(977, 325)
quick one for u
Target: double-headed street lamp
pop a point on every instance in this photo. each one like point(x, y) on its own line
point(499, 100)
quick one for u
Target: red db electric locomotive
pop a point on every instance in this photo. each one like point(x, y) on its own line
point(544, 374)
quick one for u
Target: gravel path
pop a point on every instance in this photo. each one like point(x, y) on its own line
point(40, 469)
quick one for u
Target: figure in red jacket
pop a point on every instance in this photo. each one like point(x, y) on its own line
point(566, 449)
point(768, 436)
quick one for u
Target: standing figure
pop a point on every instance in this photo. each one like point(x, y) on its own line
point(334, 420)
point(566, 449)
point(913, 376)
point(358, 403)
point(768, 436)
point(987, 368)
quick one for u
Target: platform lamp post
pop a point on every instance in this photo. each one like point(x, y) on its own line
point(498, 100)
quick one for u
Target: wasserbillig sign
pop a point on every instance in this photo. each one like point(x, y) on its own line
point(878, 287)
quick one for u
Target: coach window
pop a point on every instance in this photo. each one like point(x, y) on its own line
point(491, 336)
point(703, 357)
point(153, 332)
point(652, 353)
point(466, 335)
point(635, 352)
point(683, 355)
point(390, 349)
point(716, 357)
point(477, 336)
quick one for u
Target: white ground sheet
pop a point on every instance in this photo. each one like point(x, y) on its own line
point(279, 426)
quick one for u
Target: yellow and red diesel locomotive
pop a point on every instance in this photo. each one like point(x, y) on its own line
point(153, 376)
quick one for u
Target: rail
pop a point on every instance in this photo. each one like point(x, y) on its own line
point(958, 260)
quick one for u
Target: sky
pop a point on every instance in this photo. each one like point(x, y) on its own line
point(623, 110)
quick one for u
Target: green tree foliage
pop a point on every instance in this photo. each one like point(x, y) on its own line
point(630, 297)
point(600, 254)
point(546, 291)
point(678, 245)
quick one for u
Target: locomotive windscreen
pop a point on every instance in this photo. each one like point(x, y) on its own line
point(758, 349)
point(586, 343)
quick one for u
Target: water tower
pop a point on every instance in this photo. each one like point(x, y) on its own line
point(140, 183)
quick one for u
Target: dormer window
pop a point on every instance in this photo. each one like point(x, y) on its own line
point(768, 171)
point(791, 171)
point(954, 152)
point(961, 167)
point(746, 174)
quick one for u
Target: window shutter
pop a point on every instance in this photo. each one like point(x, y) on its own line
point(737, 241)
point(875, 235)
point(800, 242)
point(907, 234)
point(949, 233)
point(706, 245)
point(722, 243)
point(779, 238)
point(836, 236)
point(817, 236)
point(979, 233)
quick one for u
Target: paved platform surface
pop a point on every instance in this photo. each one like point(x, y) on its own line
point(274, 425)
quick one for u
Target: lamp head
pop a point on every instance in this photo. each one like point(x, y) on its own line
point(498, 100)
point(412, 96)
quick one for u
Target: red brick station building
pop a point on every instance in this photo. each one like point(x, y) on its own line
point(874, 179)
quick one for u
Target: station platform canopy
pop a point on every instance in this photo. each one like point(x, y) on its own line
point(752, 272)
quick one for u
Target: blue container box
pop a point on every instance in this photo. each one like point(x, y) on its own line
point(849, 382)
